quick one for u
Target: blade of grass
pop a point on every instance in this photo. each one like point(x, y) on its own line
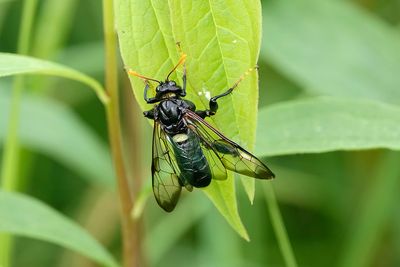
point(279, 227)
point(323, 124)
point(9, 173)
point(12, 64)
point(51, 128)
point(324, 47)
point(34, 219)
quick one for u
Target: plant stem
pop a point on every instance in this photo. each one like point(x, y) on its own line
point(10, 154)
point(279, 227)
point(129, 233)
point(9, 172)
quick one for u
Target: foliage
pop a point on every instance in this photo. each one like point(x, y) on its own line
point(327, 126)
point(32, 218)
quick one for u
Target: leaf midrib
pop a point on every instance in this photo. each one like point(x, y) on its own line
point(223, 63)
point(162, 34)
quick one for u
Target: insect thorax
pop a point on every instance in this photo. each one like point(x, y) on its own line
point(170, 113)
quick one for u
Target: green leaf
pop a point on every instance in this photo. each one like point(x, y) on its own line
point(25, 216)
point(190, 212)
point(326, 124)
point(222, 40)
point(222, 194)
point(12, 64)
point(333, 48)
point(52, 129)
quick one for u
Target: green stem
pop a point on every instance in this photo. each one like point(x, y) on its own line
point(279, 227)
point(10, 154)
point(129, 233)
point(9, 172)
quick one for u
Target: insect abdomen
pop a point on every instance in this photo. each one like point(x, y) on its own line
point(191, 161)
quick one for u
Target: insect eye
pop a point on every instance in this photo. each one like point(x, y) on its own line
point(172, 83)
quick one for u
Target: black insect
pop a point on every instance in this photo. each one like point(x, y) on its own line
point(187, 151)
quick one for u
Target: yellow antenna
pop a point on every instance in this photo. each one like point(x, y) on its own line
point(180, 62)
point(134, 73)
point(244, 76)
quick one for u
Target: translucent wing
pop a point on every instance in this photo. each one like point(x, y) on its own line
point(217, 168)
point(232, 156)
point(166, 184)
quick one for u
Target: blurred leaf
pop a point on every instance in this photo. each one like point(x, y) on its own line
point(93, 61)
point(49, 37)
point(222, 194)
point(217, 245)
point(326, 124)
point(13, 64)
point(52, 129)
point(140, 201)
point(316, 193)
point(396, 236)
point(25, 216)
point(333, 48)
point(222, 41)
point(4, 7)
point(379, 204)
point(275, 87)
point(187, 214)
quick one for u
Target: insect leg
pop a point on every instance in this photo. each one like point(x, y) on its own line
point(213, 104)
point(149, 114)
point(184, 80)
point(213, 101)
point(149, 100)
point(146, 88)
point(204, 113)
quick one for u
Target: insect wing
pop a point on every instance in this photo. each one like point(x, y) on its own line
point(233, 156)
point(165, 172)
point(217, 168)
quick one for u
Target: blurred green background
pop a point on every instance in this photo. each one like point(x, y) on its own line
point(338, 205)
